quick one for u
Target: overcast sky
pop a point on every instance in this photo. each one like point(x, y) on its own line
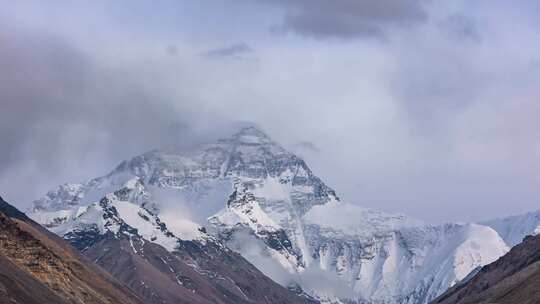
point(428, 108)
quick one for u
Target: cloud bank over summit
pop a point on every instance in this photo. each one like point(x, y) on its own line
point(426, 108)
point(348, 19)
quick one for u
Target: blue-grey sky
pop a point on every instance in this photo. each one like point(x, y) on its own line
point(428, 108)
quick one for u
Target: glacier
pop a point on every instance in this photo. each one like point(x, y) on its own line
point(252, 195)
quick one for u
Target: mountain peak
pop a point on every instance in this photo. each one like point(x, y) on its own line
point(251, 135)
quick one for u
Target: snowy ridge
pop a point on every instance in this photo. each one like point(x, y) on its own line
point(116, 213)
point(514, 228)
point(266, 203)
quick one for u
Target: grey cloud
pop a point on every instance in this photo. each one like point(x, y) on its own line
point(172, 49)
point(234, 50)
point(434, 82)
point(460, 26)
point(429, 123)
point(62, 114)
point(348, 18)
point(307, 145)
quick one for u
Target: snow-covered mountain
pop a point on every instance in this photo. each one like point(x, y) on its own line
point(513, 278)
point(252, 195)
point(514, 228)
point(179, 263)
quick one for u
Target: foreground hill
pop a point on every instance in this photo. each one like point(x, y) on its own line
point(514, 278)
point(38, 267)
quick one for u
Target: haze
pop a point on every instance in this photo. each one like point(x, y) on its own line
point(428, 108)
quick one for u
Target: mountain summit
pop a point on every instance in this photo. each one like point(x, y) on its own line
point(248, 194)
point(251, 135)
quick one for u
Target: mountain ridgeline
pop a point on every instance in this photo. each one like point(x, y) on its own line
point(222, 222)
point(514, 278)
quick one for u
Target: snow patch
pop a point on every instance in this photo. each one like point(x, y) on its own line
point(140, 219)
point(182, 228)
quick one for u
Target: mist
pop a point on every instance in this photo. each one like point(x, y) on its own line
point(428, 109)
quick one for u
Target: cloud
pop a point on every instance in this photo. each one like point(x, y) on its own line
point(235, 50)
point(430, 123)
point(313, 278)
point(63, 113)
point(461, 27)
point(258, 253)
point(346, 19)
point(324, 282)
point(307, 145)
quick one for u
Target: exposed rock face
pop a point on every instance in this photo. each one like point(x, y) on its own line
point(192, 274)
point(252, 195)
point(514, 278)
point(38, 267)
point(19, 286)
